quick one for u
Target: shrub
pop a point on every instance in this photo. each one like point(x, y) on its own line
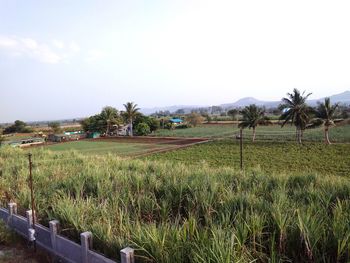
point(142, 129)
point(195, 119)
point(6, 235)
point(169, 126)
point(153, 124)
point(55, 126)
point(18, 126)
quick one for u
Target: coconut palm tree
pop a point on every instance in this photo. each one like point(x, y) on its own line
point(296, 111)
point(110, 116)
point(324, 114)
point(131, 111)
point(252, 117)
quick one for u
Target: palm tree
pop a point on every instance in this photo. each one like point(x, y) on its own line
point(110, 116)
point(131, 111)
point(296, 111)
point(252, 117)
point(324, 114)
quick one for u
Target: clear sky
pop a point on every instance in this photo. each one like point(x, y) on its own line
point(63, 59)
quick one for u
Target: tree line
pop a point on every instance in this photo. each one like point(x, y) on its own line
point(110, 117)
point(295, 111)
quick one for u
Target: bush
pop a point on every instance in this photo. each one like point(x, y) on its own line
point(18, 126)
point(169, 126)
point(153, 124)
point(195, 119)
point(55, 126)
point(6, 236)
point(142, 129)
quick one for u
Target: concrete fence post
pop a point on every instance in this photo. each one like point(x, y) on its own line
point(30, 226)
point(127, 255)
point(29, 216)
point(86, 244)
point(12, 211)
point(54, 228)
point(12, 208)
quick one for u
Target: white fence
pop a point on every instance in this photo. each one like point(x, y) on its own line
point(50, 240)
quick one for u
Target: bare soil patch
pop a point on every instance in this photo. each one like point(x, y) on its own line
point(152, 140)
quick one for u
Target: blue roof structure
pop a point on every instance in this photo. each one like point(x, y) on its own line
point(176, 120)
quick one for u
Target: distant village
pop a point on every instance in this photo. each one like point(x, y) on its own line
point(74, 132)
point(130, 121)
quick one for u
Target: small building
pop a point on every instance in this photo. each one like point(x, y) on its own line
point(73, 132)
point(176, 121)
point(123, 130)
point(66, 137)
point(93, 135)
point(57, 137)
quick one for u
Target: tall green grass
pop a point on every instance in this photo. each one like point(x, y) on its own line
point(171, 212)
point(266, 156)
point(7, 236)
point(263, 133)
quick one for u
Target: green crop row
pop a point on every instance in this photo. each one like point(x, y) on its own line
point(265, 133)
point(269, 157)
point(172, 212)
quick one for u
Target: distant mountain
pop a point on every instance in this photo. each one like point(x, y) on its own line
point(172, 109)
point(343, 97)
point(249, 100)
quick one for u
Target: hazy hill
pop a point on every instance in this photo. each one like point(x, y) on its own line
point(170, 108)
point(250, 100)
point(343, 97)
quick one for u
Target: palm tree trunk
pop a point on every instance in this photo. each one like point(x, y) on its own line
point(326, 135)
point(254, 133)
point(107, 131)
point(131, 131)
point(299, 135)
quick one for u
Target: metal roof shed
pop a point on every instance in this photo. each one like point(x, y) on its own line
point(175, 120)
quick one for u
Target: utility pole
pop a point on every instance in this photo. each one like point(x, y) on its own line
point(241, 146)
point(32, 196)
point(240, 138)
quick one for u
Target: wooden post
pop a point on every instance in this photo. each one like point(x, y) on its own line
point(127, 255)
point(241, 147)
point(86, 244)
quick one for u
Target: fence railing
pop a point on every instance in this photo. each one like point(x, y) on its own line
point(50, 240)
